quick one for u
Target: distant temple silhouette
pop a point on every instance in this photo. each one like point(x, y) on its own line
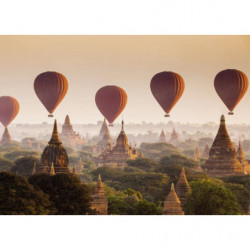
point(6, 139)
point(162, 137)
point(54, 159)
point(205, 153)
point(222, 159)
point(118, 155)
point(197, 154)
point(241, 157)
point(174, 139)
point(68, 136)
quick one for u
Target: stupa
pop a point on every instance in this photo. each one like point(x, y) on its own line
point(174, 137)
point(197, 154)
point(172, 204)
point(99, 203)
point(242, 159)
point(54, 155)
point(162, 137)
point(182, 187)
point(6, 139)
point(222, 159)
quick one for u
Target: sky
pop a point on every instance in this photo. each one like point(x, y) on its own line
point(91, 62)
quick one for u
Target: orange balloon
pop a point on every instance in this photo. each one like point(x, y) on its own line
point(9, 108)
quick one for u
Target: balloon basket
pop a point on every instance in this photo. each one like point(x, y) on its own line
point(231, 113)
point(111, 125)
point(50, 115)
point(167, 115)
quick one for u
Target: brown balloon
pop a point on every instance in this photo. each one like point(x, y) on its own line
point(111, 100)
point(231, 85)
point(167, 87)
point(51, 88)
point(9, 108)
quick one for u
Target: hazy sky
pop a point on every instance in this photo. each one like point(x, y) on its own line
point(90, 62)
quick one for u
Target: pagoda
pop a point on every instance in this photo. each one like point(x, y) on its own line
point(69, 136)
point(172, 204)
point(99, 203)
point(54, 155)
point(174, 137)
point(105, 142)
point(222, 159)
point(79, 166)
point(6, 139)
point(205, 153)
point(241, 157)
point(182, 187)
point(197, 154)
point(162, 138)
point(118, 155)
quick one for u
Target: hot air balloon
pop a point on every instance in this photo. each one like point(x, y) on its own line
point(231, 85)
point(50, 88)
point(9, 108)
point(111, 100)
point(167, 88)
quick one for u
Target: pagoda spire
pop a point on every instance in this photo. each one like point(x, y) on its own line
point(55, 136)
point(241, 157)
point(162, 137)
point(172, 204)
point(182, 187)
point(52, 170)
point(67, 120)
point(205, 153)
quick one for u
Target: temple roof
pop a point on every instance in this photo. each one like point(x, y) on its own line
point(6, 136)
point(122, 139)
point(52, 170)
point(172, 204)
point(104, 129)
point(162, 137)
point(67, 120)
point(206, 150)
point(55, 136)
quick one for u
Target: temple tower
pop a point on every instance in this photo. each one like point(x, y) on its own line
point(241, 157)
point(222, 159)
point(106, 142)
point(104, 129)
point(54, 155)
point(197, 154)
point(182, 187)
point(67, 128)
point(162, 138)
point(99, 202)
point(6, 139)
point(172, 204)
point(174, 137)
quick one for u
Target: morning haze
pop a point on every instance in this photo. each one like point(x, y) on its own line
point(90, 62)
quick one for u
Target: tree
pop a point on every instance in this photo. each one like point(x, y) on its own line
point(210, 197)
point(14, 155)
point(205, 140)
point(24, 166)
point(145, 164)
point(18, 197)
point(145, 207)
point(66, 192)
point(5, 165)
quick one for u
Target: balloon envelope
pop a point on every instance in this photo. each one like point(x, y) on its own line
point(111, 100)
point(50, 88)
point(9, 108)
point(231, 85)
point(167, 88)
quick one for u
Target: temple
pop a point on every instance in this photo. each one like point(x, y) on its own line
point(222, 159)
point(205, 153)
point(162, 137)
point(68, 136)
point(174, 137)
point(197, 154)
point(172, 204)
point(99, 203)
point(6, 139)
point(79, 166)
point(118, 155)
point(105, 143)
point(182, 187)
point(54, 156)
point(241, 157)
